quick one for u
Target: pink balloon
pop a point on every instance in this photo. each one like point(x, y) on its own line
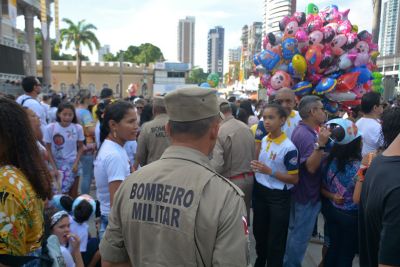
point(265, 80)
point(315, 38)
point(315, 24)
point(301, 35)
point(338, 44)
point(361, 59)
point(362, 47)
point(280, 79)
point(344, 27)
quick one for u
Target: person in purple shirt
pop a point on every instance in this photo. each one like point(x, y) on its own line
point(306, 194)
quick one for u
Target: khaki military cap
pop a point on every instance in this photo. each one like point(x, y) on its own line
point(158, 101)
point(222, 101)
point(191, 104)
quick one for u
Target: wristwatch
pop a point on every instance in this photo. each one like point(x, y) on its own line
point(318, 147)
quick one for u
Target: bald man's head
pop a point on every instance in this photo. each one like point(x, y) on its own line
point(286, 98)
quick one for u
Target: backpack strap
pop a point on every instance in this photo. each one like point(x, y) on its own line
point(23, 101)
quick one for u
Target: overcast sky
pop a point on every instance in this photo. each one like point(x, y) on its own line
point(122, 23)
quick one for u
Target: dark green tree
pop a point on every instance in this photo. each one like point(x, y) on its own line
point(145, 53)
point(197, 76)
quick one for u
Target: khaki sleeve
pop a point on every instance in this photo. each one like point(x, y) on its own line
point(141, 152)
point(217, 160)
point(232, 241)
point(112, 247)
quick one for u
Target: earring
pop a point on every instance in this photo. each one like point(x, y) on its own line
point(115, 134)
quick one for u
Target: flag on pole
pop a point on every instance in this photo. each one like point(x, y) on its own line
point(12, 11)
point(43, 18)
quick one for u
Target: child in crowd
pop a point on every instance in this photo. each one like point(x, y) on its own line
point(81, 210)
point(276, 173)
point(64, 139)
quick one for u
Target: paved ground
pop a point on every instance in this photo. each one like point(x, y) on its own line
point(311, 259)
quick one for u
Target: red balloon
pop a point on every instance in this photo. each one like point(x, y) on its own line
point(352, 103)
point(313, 57)
point(347, 81)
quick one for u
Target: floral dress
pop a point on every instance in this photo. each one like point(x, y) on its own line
point(21, 214)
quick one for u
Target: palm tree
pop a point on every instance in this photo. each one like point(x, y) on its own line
point(376, 19)
point(79, 35)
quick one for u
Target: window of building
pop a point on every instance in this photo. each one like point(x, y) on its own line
point(105, 85)
point(176, 75)
point(219, 69)
point(4, 7)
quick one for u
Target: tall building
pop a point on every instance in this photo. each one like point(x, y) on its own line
point(274, 11)
point(186, 30)
point(215, 55)
point(254, 39)
point(235, 54)
point(234, 64)
point(251, 40)
point(105, 49)
point(389, 37)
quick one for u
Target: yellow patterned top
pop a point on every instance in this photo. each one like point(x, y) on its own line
point(21, 213)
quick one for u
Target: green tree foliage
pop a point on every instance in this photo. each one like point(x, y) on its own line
point(55, 50)
point(77, 36)
point(197, 76)
point(145, 53)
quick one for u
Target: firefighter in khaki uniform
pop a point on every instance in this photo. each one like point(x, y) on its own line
point(153, 139)
point(233, 153)
point(178, 211)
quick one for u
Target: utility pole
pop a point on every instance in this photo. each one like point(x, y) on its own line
point(121, 60)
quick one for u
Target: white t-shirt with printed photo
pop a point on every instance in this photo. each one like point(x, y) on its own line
point(63, 140)
point(111, 164)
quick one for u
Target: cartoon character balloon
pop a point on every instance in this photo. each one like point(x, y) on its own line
point(213, 80)
point(299, 66)
point(312, 9)
point(289, 48)
point(269, 59)
point(280, 79)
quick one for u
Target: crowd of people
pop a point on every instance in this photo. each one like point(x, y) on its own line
point(176, 178)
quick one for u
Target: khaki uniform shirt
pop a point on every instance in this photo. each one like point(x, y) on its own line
point(153, 140)
point(177, 212)
point(234, 149)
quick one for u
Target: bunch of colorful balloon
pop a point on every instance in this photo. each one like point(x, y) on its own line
point(320, 52)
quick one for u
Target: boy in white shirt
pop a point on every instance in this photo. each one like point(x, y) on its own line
point(369, 125)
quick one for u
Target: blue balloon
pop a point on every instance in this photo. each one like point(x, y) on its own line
point(205, 85)
point(256, 60)
point(269, 59)
point(331, 107)
point(302, 88)
point(326, 85)
point(289, 48)
point(365, 74)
